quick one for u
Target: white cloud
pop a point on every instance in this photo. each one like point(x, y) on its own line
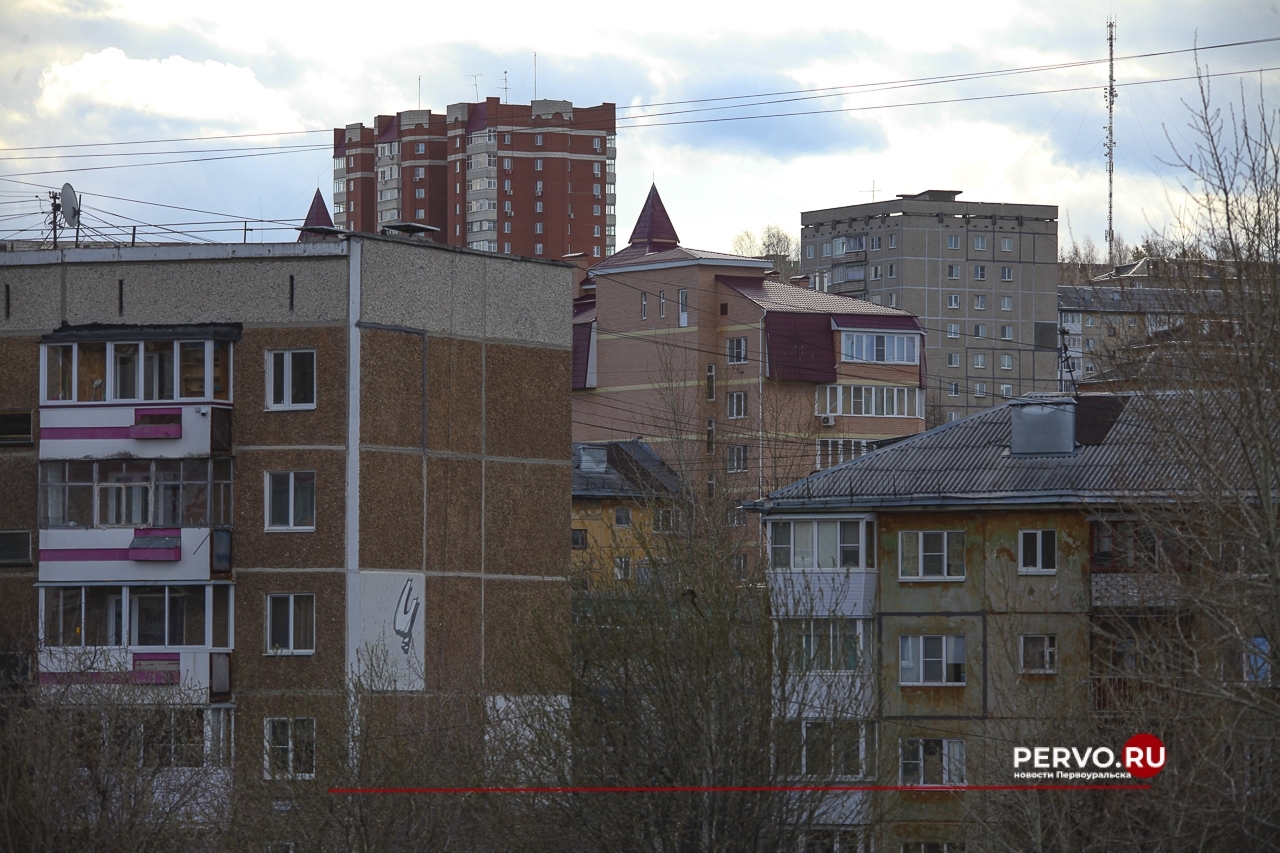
point(212, 95)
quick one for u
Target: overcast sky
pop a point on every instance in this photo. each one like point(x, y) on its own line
point(93, 71)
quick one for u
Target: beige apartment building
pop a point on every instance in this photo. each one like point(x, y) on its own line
point(739, 381)
point(982, 277)
point(236, 474)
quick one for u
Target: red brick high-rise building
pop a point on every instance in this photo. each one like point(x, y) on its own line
point(522, 179)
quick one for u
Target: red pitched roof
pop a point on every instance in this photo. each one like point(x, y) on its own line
point(317, 216)
point(654, 227)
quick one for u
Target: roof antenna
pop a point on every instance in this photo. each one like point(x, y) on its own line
point(505, 88)
point(475, 81)
point(535, 75)
point(419, 91)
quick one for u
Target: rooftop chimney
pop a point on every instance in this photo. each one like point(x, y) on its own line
point(1044, 427)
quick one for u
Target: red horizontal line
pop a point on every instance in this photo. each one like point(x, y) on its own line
point(703, 789)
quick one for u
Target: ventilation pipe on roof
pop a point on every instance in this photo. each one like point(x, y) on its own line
point(1043, 427)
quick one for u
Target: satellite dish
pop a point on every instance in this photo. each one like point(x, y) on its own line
point(70, 206)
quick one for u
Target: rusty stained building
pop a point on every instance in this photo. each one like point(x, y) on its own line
point(232, 473)
point(966, 567)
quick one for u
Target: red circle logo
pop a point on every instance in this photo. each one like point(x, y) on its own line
point(1144, 755)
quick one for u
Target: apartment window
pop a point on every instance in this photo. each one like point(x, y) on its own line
point(136, 492)
point(419, 214)
point(15, 547)
point(1038, 653)
point(290, 749)
point(1006, 391)
point(1088, 321)
point(711, 436)
point(1037, 552)
point(737, 458)
point(595, 231)
point(980, 243)
point(622, 568)
point(893, 241)
point(15, 427)
point(867, 400)
point(931, 660)
point(537, 228)
point(951, 416)
point(953, 388)
point(1257, 661)
point(506, 247)
point(1088, 344)
point(979, 389)
point(1006, 244)
point(291, 500)
point(980, 360)
point(577, 539)
point(537, 165)
point(893, 271)
point(875, 244)
point(737, 404)
point(595, 210)
point(537, 207)
point(506, 227)
point(833, 451)
point(821, 544)
point(979, 302)
point(953, 271)
point(824, 749)
point(980, 330)
point(1006, 303)
point(622, 516)
point(682, 298)
point(932, 761)
point(419, 193)
point(736, 350)
point(595, 190)
point(1006, 273)
point(506, 187)
point(837, 246)
point(953, 359)
point(1006, 361)
point(875, 272)
point(953, 300)
point(931, 554)
point(711, 382)
point(537, 139)
point(595, 169)
point(953, 330)
point(537, 248)
point(291, 624)
point(662, 304)
point(894, 349)
point(644, 306)
point(537, 187)
point(980, 272)
point(826, 250)
point(953, 241)
point(1006, 333)
point(506, 139)
point(808, 252)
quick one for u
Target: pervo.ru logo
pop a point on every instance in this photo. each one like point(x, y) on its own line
point(1142, 756)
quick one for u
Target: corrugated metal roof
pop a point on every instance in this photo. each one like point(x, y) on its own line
point(633, 470)
point(967, 462)
point(787, 298)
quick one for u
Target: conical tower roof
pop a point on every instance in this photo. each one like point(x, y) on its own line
point(317, 216)
point(653, 228)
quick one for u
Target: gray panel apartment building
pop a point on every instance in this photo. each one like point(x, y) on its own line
point(982, 277)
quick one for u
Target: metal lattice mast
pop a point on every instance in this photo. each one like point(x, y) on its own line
point(1111, 96)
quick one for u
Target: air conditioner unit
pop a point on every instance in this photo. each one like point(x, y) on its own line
point(828, 420)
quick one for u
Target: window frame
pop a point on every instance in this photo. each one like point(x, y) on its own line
point(1050, 654)
point(291, 527)
point(287, 379)
point(735, 350)
point(737, 461)
point(291, 749)
point(880, 347)
point(798, 738)
point(577, 542)
point(293, 649)
point(949, 776)
point(865, 544)
point(948, 543)
point(953, 242)
point(947, 648)
point(1037, 568)
point(736, 405)
point(18, 561)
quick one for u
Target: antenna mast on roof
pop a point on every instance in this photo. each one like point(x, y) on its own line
point(475, 81)
point(505, 88)
point(1110, 98)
